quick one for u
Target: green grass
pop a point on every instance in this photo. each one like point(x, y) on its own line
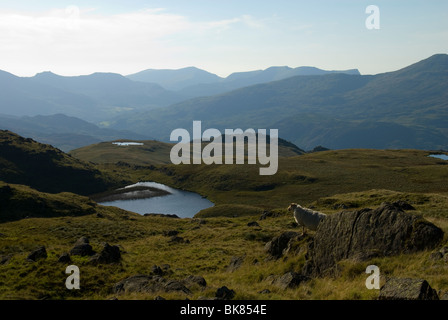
point(326, 180)
point(211, 247)
point(303, 179)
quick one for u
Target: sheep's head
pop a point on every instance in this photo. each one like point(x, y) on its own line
point(292, 206)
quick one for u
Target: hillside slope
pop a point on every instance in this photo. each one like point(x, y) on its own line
point(42, 167)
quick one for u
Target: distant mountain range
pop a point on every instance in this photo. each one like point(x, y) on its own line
point(194, 82)
point(63, 132)
point(95, 97)
point(407, 108)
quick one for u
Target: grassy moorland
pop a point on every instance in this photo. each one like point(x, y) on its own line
point(328, 181)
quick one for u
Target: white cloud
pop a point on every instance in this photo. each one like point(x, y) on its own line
point(77, 40)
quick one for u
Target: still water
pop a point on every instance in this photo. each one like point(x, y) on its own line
point(182, 203)
point(439, 156)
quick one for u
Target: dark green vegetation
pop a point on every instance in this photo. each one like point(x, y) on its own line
point(402, 109)
point(329, 180)
point(42, 167)
point(151, 152)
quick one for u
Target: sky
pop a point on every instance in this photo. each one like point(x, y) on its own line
point(221, 36)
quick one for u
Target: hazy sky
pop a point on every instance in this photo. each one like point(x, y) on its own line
point(220, 36)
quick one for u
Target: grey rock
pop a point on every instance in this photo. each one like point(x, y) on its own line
point(39, 253)
point(235, 263)
point(407, 289)
point(148, 284)
point(170, 233)
point(195, 280)
point(82, 247)
point(64, 258)
point(276, 246)
point(224, 293)
point(290, 280)
point(156, 270)
point(367, 233)
point(253, 224)
point(109, 254)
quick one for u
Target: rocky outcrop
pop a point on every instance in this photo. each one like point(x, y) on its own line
point(407, 289)
point(367, 233)
point(276, 246)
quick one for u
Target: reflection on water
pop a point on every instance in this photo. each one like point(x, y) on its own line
point(439, 156)
point(182, 203)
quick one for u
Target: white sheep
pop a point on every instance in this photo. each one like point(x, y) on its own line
point(306, 217)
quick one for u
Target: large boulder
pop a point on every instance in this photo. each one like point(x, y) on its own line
point(407, 289)
point(109, 254)
point(82, 247)
point(367, 233)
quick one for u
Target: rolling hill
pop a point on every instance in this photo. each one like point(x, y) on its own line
point(46, 169)
point(407, 108)
point(150, 153)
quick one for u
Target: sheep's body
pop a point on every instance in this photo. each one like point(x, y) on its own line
point(306, 217)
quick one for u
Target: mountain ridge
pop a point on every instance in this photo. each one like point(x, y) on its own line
point(413, 100)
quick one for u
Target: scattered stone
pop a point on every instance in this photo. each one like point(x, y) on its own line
point(39, 253)
point(435, 256)
point(407, 289)
point(64, 258)
point(165, 267)
point(148, 284)
point(170, 233)
point(159, 298)
point(253, 224)
point(177, 239)
point(267, 214)
point(5, 259)
point(276, 246)
point(199, 220)
point(235, 263)
point(224, 293)
point(443, 296)
point(264, 291)
point(290, 280)
point(156, 270)
point(82, 248)
point(109, 254)
point(195, 280)
point(368, 233)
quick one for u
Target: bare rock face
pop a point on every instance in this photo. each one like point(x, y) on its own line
point(367, 233)
point(407, 289)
